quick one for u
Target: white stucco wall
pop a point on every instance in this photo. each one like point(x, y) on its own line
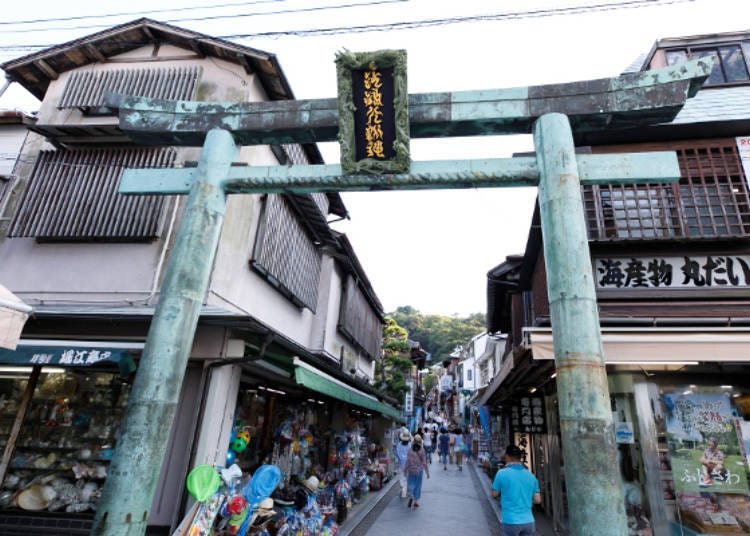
point(221, 81)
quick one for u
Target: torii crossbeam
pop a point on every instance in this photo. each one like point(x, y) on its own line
point(592, 477)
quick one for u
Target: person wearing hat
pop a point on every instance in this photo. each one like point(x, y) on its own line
point(416, 465)
point(518, 490)
point(402, 449)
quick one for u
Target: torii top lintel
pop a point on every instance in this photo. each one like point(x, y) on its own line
point(646, 97)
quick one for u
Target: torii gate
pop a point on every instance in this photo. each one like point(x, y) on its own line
point(592, 477)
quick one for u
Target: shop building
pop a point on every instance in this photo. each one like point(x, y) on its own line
point(671, 267)
point(289, 329)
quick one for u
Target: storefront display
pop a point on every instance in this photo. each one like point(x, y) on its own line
point(309, 439)
point(703, 459)
point(59, 460)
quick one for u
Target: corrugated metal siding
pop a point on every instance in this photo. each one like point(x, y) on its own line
point(85, 89)
point(286, 256)
point(72, 196)
point(358, 321)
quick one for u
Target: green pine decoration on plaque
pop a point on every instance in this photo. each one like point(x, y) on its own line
point(373, 112)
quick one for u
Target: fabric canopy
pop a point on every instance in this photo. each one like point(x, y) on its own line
point(13, 315)
point(322, 383)
point(67, 356)
point(658, 345)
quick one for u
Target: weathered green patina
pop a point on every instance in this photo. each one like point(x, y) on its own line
point(592, 476)
point(596, 506)
point(134, 470)
point(653, 167)
point(647, 97)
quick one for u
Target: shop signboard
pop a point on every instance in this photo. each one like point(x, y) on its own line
point(673, 272)
point(409, 399)
point(527, 415)
point(624, 433)
point(704, 444)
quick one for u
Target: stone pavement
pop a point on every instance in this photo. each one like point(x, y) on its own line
point(453, 502)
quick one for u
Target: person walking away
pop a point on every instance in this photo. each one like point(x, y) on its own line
point(444, 445)
point(402, 450)
point(458, 447)
point(518, 490)
point(427, 442)
point(416, 467)
point(451, 445)
point(469, 443)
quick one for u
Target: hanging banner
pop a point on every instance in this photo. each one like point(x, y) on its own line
point(704, 445)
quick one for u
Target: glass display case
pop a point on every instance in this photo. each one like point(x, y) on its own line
point(58, 459)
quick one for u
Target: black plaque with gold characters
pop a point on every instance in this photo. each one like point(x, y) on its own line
point(373, 112)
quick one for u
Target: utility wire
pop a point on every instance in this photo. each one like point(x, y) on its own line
point(137, 13)
point(425, 23)
point(220, 17)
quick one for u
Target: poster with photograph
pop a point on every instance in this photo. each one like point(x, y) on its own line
point(704, 445)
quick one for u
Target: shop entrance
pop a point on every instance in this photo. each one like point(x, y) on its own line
point(550, 112)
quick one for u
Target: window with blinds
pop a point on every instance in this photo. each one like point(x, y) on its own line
point(285, 255)
point(85, 89)
point(72, 196)
point(357, 320)
point(710, 201)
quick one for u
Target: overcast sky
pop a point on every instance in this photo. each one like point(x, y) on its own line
point(430, 250)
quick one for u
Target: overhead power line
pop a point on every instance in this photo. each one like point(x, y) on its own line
point(220, 17)
point(136, 13)
point(426, 23)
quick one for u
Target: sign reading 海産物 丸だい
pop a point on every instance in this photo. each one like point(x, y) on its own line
point(373, 112)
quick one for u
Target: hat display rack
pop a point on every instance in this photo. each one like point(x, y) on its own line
point(62, 453)
point(323, 459)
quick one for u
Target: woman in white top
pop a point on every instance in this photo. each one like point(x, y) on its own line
point(457, 438)
point(427, 443)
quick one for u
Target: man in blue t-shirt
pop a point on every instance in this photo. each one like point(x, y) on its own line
point(518, 489)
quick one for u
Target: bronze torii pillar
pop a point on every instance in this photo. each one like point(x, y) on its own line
point(592, 476)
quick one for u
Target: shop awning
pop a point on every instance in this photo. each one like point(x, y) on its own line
point(68, 356)
point(13, 316)
point(657, 345)
point(322, 383)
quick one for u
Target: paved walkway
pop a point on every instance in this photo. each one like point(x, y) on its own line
point(453, 502)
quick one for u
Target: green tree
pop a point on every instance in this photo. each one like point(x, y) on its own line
point(395, 367)
point(438, 334)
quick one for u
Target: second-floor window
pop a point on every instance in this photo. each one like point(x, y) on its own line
point(731, 62)
point(71, 196)
point(285, 255)
point(710, 201)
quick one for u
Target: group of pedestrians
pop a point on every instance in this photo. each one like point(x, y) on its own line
point(516, 487)
point(412, 459)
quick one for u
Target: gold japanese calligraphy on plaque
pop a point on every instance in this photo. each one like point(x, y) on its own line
point(373, 112)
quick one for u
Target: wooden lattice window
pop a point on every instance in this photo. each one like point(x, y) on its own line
point(72, 196)
point(358, 321)
point(285, 255)
point(710, 201)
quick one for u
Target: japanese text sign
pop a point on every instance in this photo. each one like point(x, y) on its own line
point(527, 415)
point(373, 112)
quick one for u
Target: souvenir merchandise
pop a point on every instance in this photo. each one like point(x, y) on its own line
point(235, 505)
point(61, 456)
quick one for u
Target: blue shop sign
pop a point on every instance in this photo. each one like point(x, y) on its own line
point(68, 356)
